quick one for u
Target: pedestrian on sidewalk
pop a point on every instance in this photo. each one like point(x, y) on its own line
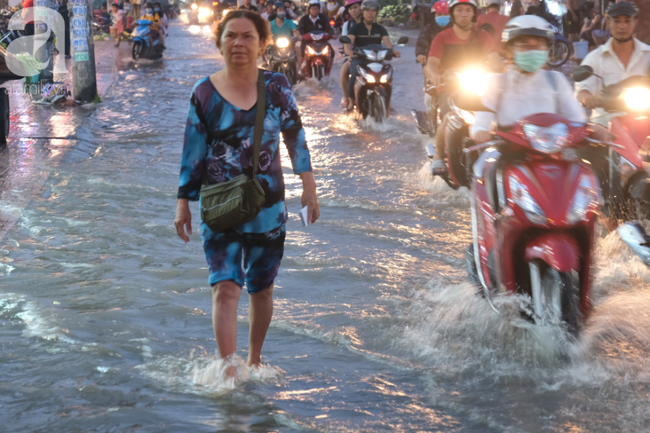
point(219, 146)
point(118, 21)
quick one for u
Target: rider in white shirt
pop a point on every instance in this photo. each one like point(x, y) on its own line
point(623, 56)
point(526, 88)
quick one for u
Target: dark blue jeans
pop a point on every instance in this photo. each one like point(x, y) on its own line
point(353, 77)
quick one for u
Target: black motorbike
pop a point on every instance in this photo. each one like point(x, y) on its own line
point(374, 84)
point(281, 57)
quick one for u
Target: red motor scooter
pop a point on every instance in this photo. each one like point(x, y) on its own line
point(624, 169)
point(534, 210)
point(319, 54)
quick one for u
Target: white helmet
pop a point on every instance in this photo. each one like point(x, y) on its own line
point(528, 25)
point(453, 3)
point(314, 3)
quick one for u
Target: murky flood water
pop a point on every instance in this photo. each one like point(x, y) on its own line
point(105, 314)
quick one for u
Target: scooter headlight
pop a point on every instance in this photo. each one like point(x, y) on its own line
point(369, 77)
point(526, 202)
point(384, 78)
point(637, 98)
point(282, 42)
point(473, 81)
point(547, 140)
point(194, 6)
point(325, 51)
point(310, 50)
point(586, 194)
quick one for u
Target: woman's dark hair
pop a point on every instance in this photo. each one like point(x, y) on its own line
point(261, 25)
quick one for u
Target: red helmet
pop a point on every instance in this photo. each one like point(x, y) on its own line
point(351, 2)
point(441, 7)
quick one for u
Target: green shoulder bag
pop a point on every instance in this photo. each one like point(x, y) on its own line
point(239, 200)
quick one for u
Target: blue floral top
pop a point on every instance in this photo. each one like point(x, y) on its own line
point(219, 139)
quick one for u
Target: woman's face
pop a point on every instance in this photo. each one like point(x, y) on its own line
point(240, 43)
point(355, 10)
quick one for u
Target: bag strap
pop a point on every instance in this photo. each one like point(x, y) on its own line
point(259, 121)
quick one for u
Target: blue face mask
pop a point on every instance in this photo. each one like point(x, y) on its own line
point(149, 11)
point(157, 9)
point(442, 21)
point(531, 61)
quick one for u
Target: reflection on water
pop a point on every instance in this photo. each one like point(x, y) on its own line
point(106, 314)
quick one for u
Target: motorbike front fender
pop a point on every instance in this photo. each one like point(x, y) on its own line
point(559, 250)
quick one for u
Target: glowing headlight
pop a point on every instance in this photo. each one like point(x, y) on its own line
point(473, 81)
point(547, 140)
point(526, 202)
point(204, 12)
point(384, 78)
point(310, 50)
point(637, 98)
point(325, 51)
point(194, 6)
point(586, 194)
point(282, 42)
point(369, 78)
point(225, 12)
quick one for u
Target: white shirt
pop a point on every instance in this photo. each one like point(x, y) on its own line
point(607, 64)
point(347, 26)
point(525, 95)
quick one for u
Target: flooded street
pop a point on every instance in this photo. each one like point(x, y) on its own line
point(105, 313)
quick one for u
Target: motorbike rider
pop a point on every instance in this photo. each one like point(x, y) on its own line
point(365, 33)
point(332, 8)
point(495, 20)
point(151, 15)
point(283, 27)
point(457, 46)
point(248, 6)
point(312, 21)
point(164, 21)
point(426, 36)
point(442, 22)
point(526, 88)
point(269, 11)
point(623, 56)
point(288, 4)
point(353, 8)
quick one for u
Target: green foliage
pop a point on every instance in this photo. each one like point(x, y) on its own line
point(397, 13)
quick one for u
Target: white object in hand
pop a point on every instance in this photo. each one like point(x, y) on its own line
point(304, 215)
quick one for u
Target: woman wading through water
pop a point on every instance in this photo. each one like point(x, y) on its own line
point(219, 146)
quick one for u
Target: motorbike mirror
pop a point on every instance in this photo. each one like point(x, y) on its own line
point(345, 40)
point(581, 73)
point(403, 40)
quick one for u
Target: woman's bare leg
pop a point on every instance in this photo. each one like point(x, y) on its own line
point(225, 298)
point(260, 313)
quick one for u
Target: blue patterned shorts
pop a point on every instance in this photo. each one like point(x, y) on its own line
point(253, 258)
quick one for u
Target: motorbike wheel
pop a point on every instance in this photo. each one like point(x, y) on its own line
point(135, 50)
point(558, 54)
point(560, 300)
point(377, 107)
point(319, 72)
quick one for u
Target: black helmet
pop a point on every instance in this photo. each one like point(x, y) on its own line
point(622, 8)
point(369, 5)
